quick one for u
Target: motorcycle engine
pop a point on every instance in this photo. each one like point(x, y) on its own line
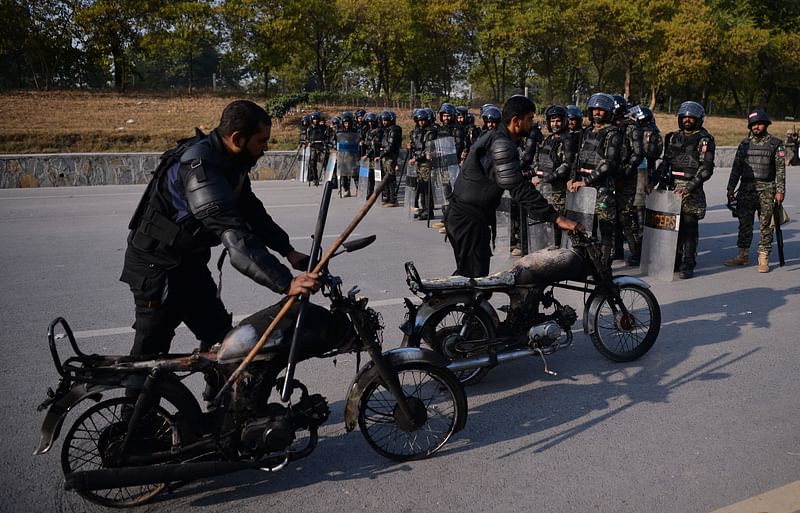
point(549, 332)
point(273, 433)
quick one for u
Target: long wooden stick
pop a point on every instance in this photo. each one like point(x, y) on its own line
point(292, 299)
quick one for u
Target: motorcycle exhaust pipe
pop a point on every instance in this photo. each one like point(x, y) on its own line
point(137, 476)
point(490, 360)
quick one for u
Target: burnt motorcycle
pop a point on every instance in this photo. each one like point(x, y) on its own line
point(621, 315)
point(124, 450)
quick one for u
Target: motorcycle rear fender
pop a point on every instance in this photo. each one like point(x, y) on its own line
point(368, 372)
point(169, 387)
point(435, 304)
point(596, 298)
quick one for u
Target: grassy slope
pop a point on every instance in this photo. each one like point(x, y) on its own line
point(34, 122)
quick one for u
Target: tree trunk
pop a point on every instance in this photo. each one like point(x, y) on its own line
point(119, 69)
point(653, 97)
point(628, 79)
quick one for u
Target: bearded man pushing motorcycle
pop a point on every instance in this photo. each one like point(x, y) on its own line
point(493, 166)
point(200, 196)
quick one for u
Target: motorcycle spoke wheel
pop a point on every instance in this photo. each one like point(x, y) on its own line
point(94, 442)
point(446, 337)
point(438, 405)
point(625, 336)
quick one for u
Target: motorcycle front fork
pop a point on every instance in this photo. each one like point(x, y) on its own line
point(390, 380)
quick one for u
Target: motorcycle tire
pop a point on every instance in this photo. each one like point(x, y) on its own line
point(626, 337)
point(443, 327)
point(99, 431)
point(438, 404)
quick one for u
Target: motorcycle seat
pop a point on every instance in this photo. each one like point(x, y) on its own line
point(494, 281)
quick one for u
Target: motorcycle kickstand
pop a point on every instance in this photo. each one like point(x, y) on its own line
point(547, 370)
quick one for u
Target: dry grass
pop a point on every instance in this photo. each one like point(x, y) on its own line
point(40, 122)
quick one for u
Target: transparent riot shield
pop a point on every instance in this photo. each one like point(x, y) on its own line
point(444, 168)
point(662, 220)
point(641, 182)
point(304, 157)
point(580, 208)
point(347, 148)
point(330, 166)
point(364, 178)
point(504, 227)
point(410, 194)
point(538, 234)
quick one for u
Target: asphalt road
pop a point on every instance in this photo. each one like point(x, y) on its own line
point(708, 418)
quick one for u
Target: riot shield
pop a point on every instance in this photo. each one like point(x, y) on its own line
point(330, 166)
point(444, 167)
point(539, 234)
point(364, 177)
point(378, 170)
point(304, 158)
point(410, 190)
point(580, 208)
point(347, 148)
point(641, 181)
point(504, 227)
point(660, 242)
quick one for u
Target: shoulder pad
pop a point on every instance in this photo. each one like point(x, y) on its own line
point(199, 151)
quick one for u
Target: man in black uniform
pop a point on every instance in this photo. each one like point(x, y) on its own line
point(389, 153)
point(493, 166)
point(201, 196)
point(625, 186)
point(419, 139)
point(318, 139)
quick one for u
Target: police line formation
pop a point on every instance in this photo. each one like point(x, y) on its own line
point(618, 153)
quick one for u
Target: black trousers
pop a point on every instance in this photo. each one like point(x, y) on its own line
point(471, 241)
point(165, 298)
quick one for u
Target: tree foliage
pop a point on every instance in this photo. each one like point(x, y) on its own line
point(732, 55)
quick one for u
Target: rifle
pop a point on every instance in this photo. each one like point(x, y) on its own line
point(776, 218)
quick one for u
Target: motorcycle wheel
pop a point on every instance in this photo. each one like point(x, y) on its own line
point(438, 404)
point(441, 333)
point(95, 438)
point(626, 337)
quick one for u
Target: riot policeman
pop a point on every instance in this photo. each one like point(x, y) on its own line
point(490, 114)
point(553, 161)
point(305, 123)
point(318, 139)
point(625, 185)
point(372, 147)
point(760, 166)
point(688, 163)
point(199, 197)
point(597, 165)
point(389, 153)
point(347, 127)
point(420, 137)
point(653, 148)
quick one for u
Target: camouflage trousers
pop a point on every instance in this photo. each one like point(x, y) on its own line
point(556, 196)
point(695, 203)
point(626, 210)
point(755, 197)
point(389, 170)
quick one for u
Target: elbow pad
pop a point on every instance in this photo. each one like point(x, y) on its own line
point(506, 163)
point(250, 258)
point(597, 173)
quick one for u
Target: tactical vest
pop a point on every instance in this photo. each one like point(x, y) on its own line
point(392, 136)
point(653, 145)
point(593, 151)
point(759, 160)
point(684, 154)
point(317, 136)
point(548, 155)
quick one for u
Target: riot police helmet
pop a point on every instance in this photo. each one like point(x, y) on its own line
point(462, 110)
point(491, 113)
point(370, 117)
point(758, 116)
point(555, 111)
point(348, 116)
point(690, 109)
point(419, 115)
point(316, 115)
point(469, 119)
point(604, 102)
point(574, 112)
point(431, 114)
point(620, 106)
point(387, 115)
point(305, 120)
point(447, 108)
point(336, 121)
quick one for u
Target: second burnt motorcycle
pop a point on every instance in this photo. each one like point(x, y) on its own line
point(621, 315)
